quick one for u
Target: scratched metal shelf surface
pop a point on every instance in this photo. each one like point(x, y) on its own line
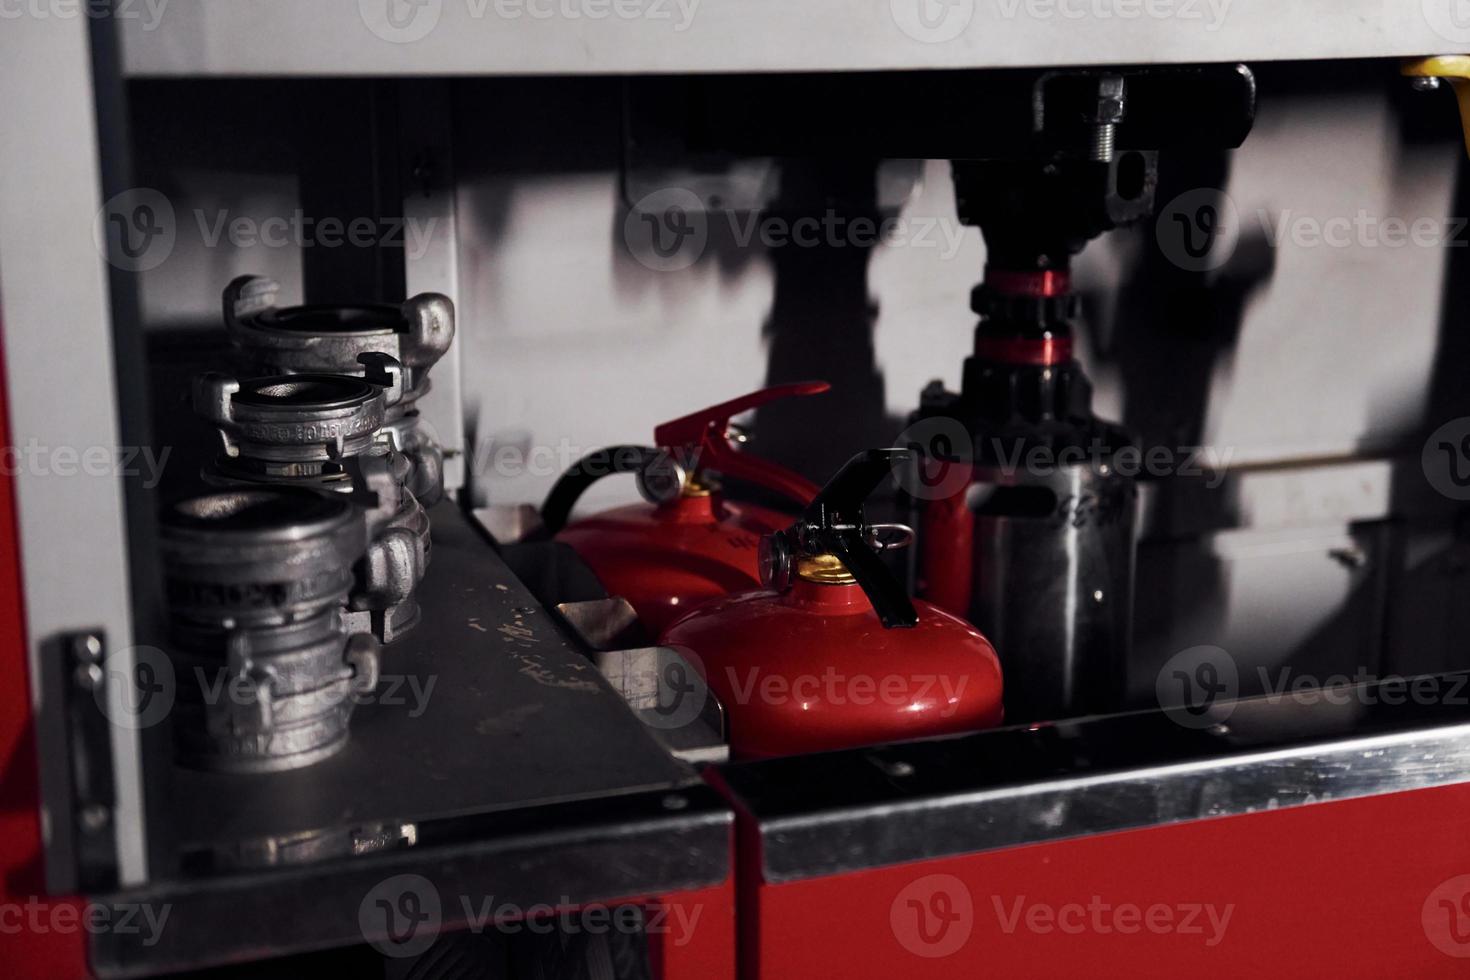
point(486, 706)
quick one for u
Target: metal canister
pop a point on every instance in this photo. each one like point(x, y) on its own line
point(332, 339)
point(1032, 539)
point(267, 671)
point(1042, 560)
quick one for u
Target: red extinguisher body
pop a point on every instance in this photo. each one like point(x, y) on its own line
point(667, 558)
point(814, 670)
point(688, 543)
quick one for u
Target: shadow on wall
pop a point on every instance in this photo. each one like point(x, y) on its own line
point(1429, 617)
point(1172, 328)
point(1413, 590)
point(1392, 600)
point(821, 327)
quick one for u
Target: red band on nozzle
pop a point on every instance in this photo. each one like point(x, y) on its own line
point(1043, 352)
point(1046, 282)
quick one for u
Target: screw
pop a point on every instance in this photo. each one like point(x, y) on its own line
point(88, 648)
point(1109, 112)
point(94, 818)
point(88, 677)
point(1427, 83)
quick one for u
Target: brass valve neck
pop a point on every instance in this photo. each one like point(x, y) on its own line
point(824, 569)
point(696, 486)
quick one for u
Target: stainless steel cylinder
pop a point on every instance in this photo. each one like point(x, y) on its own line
point(1042, 561)
point(332, 340)
point(255, 582)
point(324, 432)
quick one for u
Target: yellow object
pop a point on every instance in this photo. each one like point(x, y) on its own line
point(824, 570)
point(1455, 69)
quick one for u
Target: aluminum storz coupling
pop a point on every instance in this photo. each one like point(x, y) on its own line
point(332, 340)
point(255, 582)
point(324, 432)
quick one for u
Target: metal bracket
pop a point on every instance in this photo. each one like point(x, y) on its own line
point(89, 754)
point(665, 691)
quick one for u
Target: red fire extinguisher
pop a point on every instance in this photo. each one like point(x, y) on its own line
point(687, 543)
point(833, 654)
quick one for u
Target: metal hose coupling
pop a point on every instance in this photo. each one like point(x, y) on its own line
point(268, 672)
point(332, 339)
point(324, 432)
point(398, 549)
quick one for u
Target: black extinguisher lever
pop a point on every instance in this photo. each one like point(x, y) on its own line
point(888, 597)
point(833, 524)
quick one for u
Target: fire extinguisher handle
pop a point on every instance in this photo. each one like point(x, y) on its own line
point(706, 432)
point(587, 471)
point(890, 600)
point(855, 482)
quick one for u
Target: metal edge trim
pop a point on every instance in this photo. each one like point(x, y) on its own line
point(993, 819)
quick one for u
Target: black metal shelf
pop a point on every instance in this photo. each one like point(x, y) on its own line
point(523, 775)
